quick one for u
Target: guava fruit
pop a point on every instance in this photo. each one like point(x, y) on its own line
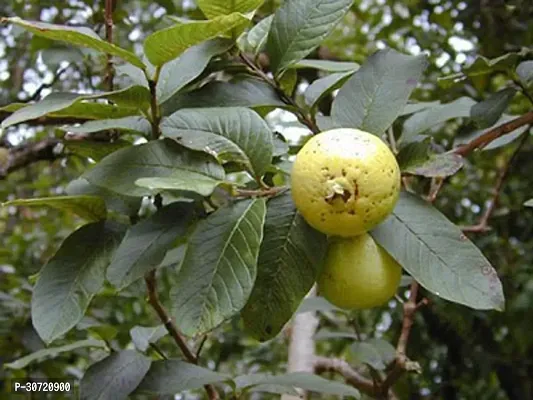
point(358, 273)
point(345, 181)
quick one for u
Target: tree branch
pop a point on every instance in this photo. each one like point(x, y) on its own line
point(28, 153)
point(482, 225)
point(493, 134)
point(153, 299)
point(108, 17)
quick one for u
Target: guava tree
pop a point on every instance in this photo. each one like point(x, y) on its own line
point(182, 195)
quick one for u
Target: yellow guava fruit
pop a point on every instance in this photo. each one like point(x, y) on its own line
point(345, 181)
point(358, 273)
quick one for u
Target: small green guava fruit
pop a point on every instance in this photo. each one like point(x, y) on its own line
point(345, 181)
point(358, 273)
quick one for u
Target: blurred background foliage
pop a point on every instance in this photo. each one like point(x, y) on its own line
point(464, 354)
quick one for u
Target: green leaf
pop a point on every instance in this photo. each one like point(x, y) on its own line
point(78, 36)
point(242, 91)
point(529, 203)
point(71, 278)
point(129, 124)
point(123, 204)
point(164, 45)
point(216, 8)
point(290, 256)
point(377, 93)
point(328, 335)
point(176, 74)
point(119, 171)
point(91, 208)
point(422, 121)
point(324, 86)
point(417, 159)
point(94, 149)
point(525, 72)
point(309, 382)
point(411, 108)
point(299, 26)
point(145, 244)
point(281, 147)
point(377, 353)
point(114, 377)
point(219, 268)
point(183, 181)
point(142, 336)
point(287, 81)
point(254, 40)
point(136, 75)
point(326, 65)
point(438, 255)
point(230, 134)
point(53, 352)
point(133, 97)
point(175, 376)
point(489, 111)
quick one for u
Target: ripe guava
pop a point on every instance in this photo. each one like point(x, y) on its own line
point(358, 273)
point(345, 181)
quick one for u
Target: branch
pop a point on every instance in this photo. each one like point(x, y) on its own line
point(43, 86)
point(153, 299)
point(303, 117)
point(493, 134)
point(21, 156)
point(350, 375)
point(482, 225)
point(108, 17)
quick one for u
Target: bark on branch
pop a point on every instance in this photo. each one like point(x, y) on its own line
point(28, 153)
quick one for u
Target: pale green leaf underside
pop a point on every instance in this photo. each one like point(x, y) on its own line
point(119, 171)
point(219, 268)
point(529, 203)
point(254, 40)
point(143, 336)
point(91, 208)
point(216, 8)
point(438, 255)
point(94, 149)
point(230, 134)
point(299, 26)
point(489, 111)
point(180, 180)
point(134, 124)
point(323, 86)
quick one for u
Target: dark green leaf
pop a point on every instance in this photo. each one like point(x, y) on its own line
point(175, 376)
point(53, 352)
point(417, 159)
point(119, 171)
point(78, 36)
point(183, 181)
point(123, 204)
point(299, 26)
point(316, 304)
point(165, 45)
point(529, 203)
point(91, 208)
point(255, 39)
point(242, 91)
point(438, 255)
point(142, 336)
point(281, 147)
point(324, 86)
point(145, 244)
point(525, 72)
point(219, 268)
point(377, 93)
point(326, 65)
point(114, 377)
point(290, 256)
point(486, 113)
point(422, 121)
point(412, 108)
point(68, 282)
point(176, 74)
point(133, 124)
point(230, 134)
point(377, 353)
point(93, 149)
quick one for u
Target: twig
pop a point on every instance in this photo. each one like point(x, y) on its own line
point(269, 192)
point(43, 86)
point(493, 134)
point(482, 225)
point(303, 117)
point(153, 299)
point(108, 17)
point(158, 351)
point(200, 347)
